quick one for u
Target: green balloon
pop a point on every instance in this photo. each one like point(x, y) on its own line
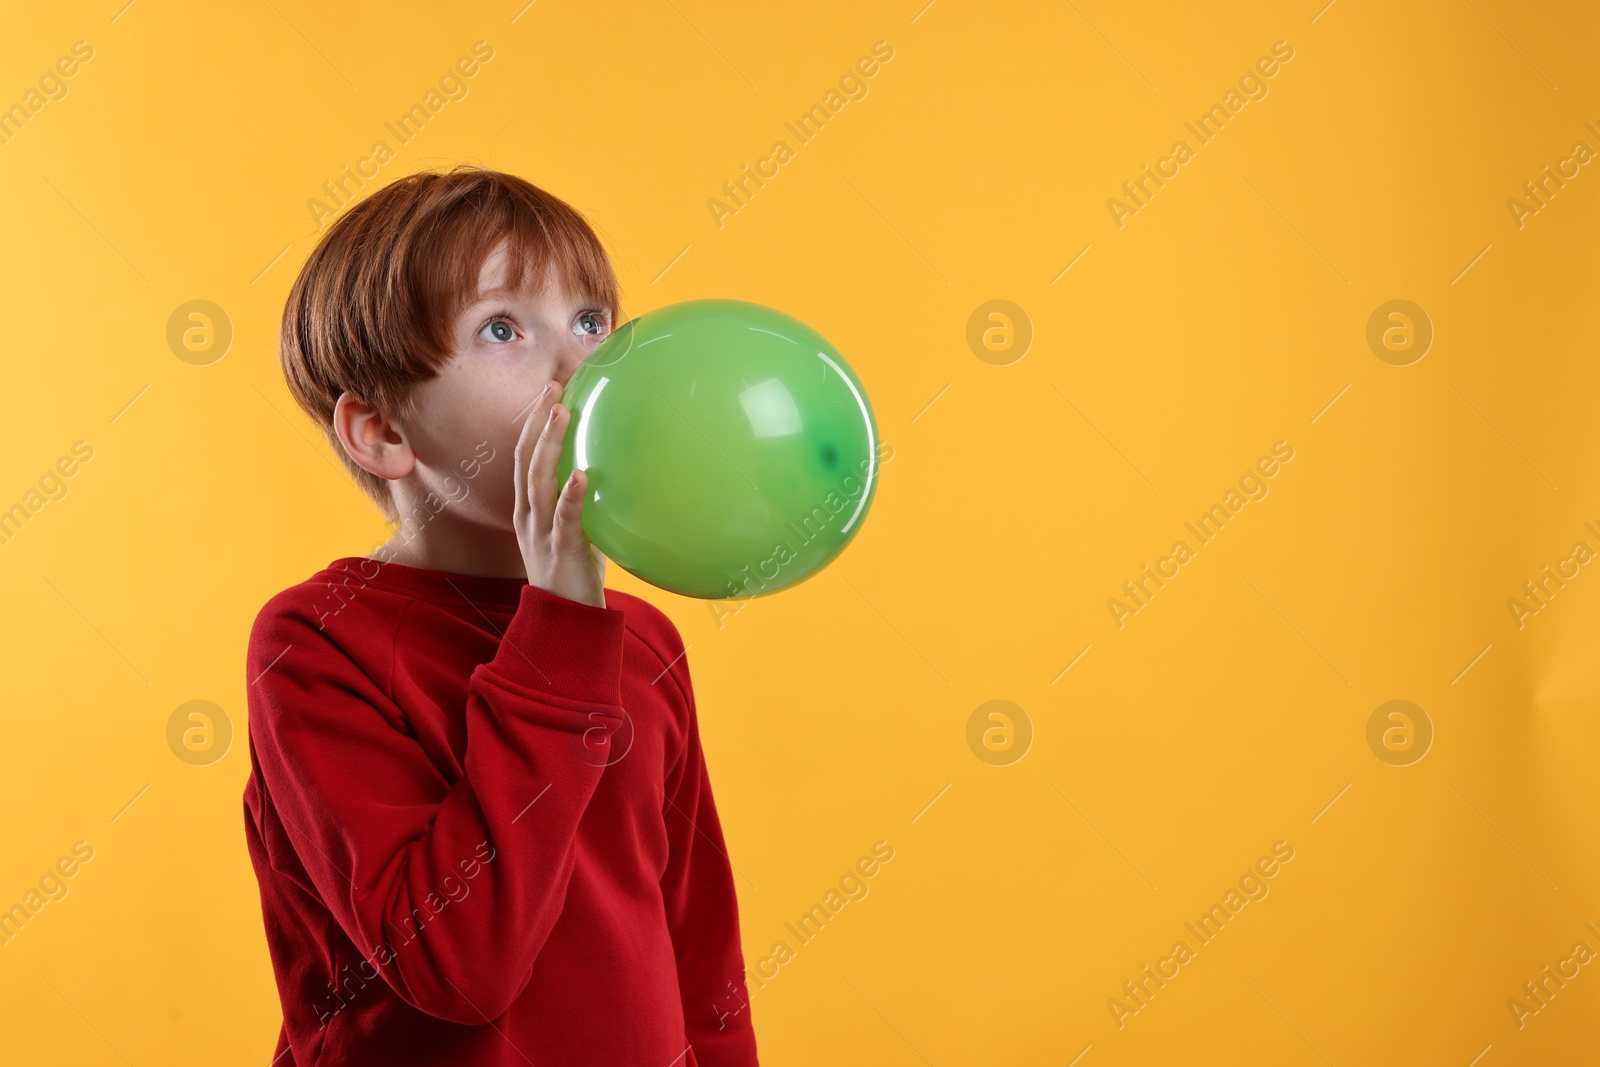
point(730, 449)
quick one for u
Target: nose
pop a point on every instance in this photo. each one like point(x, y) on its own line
point(572, 355)
point(565, 367)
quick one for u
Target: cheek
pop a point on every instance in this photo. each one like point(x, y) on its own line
point(475, 416)
point(495, 435)
point(488, 407)
point(483, 460)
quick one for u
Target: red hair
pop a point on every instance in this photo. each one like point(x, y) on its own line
point(371, 311)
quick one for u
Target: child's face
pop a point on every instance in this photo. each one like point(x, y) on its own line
point(506, 346)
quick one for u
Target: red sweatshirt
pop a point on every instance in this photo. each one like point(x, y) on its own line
point(481, 822)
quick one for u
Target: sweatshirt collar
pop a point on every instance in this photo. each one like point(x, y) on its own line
point(438, 587)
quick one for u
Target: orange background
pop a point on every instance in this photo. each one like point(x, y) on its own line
point(1039, 861)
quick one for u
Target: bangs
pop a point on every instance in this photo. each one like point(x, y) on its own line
point(547, 242)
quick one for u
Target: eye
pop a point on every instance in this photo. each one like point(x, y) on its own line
point(498, 331)
point(592, 323)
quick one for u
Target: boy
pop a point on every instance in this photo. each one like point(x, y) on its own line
point(478, 807)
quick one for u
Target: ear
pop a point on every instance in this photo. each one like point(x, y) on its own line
point(375, 443)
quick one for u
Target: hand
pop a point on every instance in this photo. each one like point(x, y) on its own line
point(557, 554)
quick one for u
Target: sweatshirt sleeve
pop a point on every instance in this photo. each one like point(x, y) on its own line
point(387, 842)
point(702, 909)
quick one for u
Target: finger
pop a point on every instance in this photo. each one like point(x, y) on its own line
point(567, 527)
point(542, 470)
point(522, 454)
